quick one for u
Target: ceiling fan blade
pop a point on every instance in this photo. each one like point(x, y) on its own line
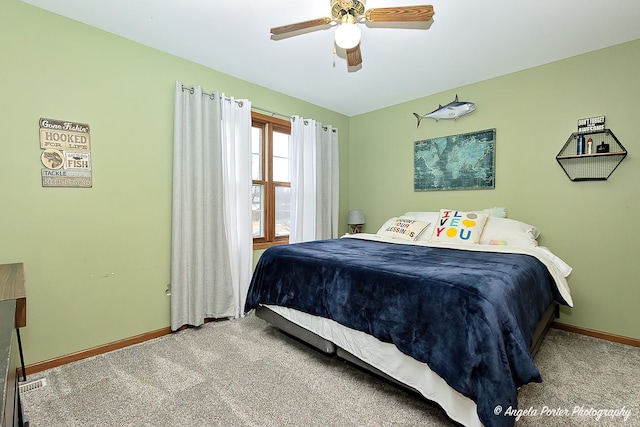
point(300, 26)
point(400, 14)
point(354, 56)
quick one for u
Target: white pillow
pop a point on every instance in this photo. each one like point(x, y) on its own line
point(494, 212)
point(403, 228)
point(505, 231)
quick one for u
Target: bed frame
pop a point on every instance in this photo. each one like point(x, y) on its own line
point(330, 348)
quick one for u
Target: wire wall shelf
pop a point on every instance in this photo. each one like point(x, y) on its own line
point(600, 158)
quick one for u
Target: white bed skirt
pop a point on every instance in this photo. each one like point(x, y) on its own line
point(388, 359)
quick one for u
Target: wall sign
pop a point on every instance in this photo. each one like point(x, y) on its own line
point(591, 124)
point(66, 154)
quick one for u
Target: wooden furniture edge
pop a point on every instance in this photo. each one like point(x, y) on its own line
point(620, 339)
point(12, 286)
point(95, 351)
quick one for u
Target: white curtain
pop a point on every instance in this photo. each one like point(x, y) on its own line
point(314, 181)
point(211, 248)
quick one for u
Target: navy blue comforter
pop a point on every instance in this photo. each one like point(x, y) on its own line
point(469, 315)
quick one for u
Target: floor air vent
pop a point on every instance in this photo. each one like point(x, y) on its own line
point(32, 385)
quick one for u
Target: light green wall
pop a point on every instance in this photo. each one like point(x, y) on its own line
point(591, 225)
point(97, 260)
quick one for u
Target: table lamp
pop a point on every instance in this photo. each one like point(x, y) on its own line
point(355, 221)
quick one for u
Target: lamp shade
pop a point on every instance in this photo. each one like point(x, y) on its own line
point(356, 217)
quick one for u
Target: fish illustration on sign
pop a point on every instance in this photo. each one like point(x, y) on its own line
point(452, 110)
point(52, 158)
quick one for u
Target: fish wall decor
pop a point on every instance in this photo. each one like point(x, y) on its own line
point(453, 110)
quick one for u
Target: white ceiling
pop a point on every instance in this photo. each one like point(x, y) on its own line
point(468, 41)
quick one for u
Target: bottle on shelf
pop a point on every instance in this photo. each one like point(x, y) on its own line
point(581, 146)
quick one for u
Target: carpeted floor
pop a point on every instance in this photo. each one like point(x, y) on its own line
point(246, 373)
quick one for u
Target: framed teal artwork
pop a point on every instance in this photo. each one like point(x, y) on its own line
point(456, 162)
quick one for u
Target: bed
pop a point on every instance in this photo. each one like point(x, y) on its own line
point(450, 304)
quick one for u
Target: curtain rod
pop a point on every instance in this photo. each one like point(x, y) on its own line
point(281, 116)
point(253, 108)
point(270, 113)
point(210, 95)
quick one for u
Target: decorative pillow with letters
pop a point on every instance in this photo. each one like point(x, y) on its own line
point(404, 229)
point(458, 227)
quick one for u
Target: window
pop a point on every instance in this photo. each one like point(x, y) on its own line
point(270, 204)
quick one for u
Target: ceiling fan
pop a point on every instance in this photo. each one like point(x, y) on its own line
point(347, 13)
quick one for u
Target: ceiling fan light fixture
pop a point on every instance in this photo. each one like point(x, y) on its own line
point(347, 34)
